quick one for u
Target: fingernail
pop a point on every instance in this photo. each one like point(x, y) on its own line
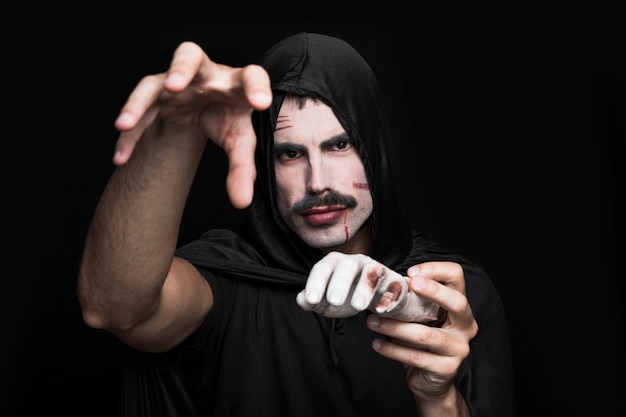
point(312, 296)
point(374, 321)
point(261, 96)
point(124, 118)
point(412, 271)
point(174, 77)
point(358, 302)
point(334, 298)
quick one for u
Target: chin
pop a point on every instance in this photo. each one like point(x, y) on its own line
point(324, 243)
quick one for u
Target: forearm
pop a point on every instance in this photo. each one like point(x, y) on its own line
point(132, 238)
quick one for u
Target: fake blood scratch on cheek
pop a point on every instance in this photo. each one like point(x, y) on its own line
point(360, 185)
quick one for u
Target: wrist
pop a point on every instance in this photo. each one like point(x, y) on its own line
point(450, 404)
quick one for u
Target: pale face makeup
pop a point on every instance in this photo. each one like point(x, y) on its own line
point(323, 192)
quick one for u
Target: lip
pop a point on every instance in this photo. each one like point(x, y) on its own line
point(320, 216)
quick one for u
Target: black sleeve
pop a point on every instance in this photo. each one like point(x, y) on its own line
point(485, 378)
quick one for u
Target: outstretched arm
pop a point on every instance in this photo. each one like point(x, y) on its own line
point(129, 281)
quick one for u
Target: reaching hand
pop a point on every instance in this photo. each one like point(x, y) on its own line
point(210, 100)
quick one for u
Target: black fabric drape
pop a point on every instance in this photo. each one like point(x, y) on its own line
point(257, 350)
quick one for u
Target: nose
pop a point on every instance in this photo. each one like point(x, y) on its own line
point(319, 176)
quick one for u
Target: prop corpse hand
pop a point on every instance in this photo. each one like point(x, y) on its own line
point(341, 285)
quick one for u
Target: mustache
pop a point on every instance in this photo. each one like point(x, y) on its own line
point(328, 199)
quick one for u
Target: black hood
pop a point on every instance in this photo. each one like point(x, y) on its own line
point(332, 70)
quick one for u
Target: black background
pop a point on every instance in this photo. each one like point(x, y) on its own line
point(513, 153)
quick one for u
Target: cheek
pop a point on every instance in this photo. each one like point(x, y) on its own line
point(356, 173)
point(367, 204)
point(349, 178)
point(287, 189)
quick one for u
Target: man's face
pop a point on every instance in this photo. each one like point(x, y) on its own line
point(323, 193)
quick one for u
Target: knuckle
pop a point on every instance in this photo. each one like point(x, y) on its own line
point(464, 351)
point(449, 367)
point(474, 329)
point(457, 269)
point(413, 357)
point(426, 337)
point(463, 305)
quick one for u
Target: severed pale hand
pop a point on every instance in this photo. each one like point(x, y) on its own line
point(341, 285)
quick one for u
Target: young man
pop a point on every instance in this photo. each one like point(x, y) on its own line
point(326, 302)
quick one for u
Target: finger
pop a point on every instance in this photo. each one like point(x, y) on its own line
point(342, 279)
point(392, 289)
point(448, 273)
point(442, 365)
point(241, 172)
point(188, 61)
point(139, 101)
point(449, 298)
point(127, 140)
point(318, 278)
point(368, 282)
point(256, 84)
point(242, 169)
point(301, 301)
point(416, 335)
point(133, 117)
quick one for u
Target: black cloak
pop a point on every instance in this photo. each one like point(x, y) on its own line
point(258, 353)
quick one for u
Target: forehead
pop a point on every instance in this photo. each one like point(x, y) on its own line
point(301, 123)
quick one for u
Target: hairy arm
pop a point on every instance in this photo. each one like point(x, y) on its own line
point(129, 281)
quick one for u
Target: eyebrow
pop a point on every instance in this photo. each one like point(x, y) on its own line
point(280, 148)
point(328, 143)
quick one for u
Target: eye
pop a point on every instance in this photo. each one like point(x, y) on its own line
point(288, 154)
point(340, 143)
